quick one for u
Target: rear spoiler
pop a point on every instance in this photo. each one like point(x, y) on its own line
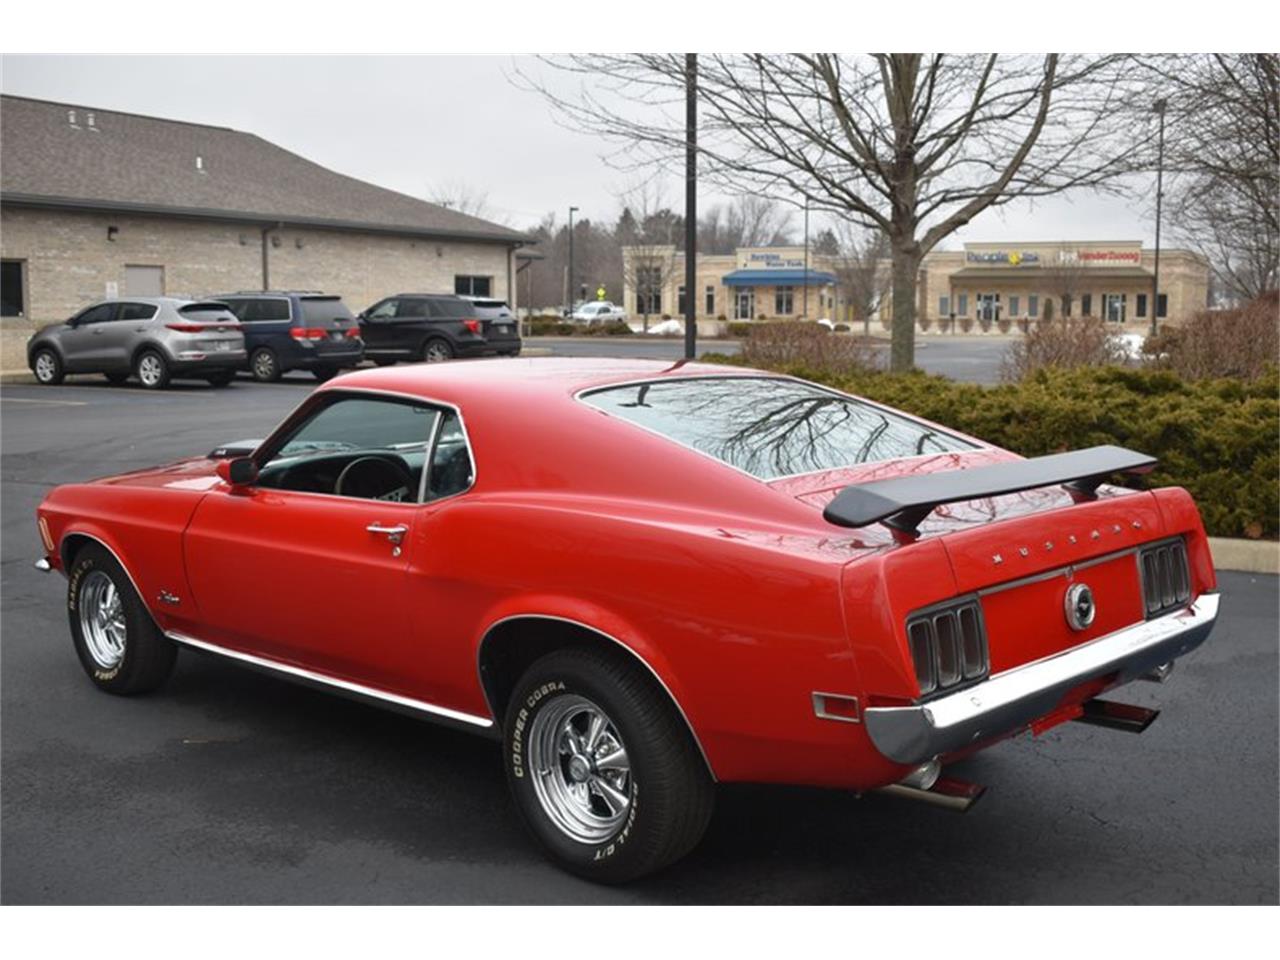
point(902, 503)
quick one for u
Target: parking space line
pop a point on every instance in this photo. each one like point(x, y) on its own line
point(55, 403)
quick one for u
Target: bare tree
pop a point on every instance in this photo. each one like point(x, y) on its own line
point(463, 197)
point(648, 234)
point(862, 259)
point(913, 145)
point(1064, 279)
point(1223, 156)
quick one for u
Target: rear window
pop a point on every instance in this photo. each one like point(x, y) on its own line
point(207, 311)
point(770, 427)
point(324, 310)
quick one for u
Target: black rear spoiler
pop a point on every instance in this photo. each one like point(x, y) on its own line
point(902, 503)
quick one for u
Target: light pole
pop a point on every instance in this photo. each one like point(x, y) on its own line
point(569, 292)
point(690, 205)
point(1159, 107)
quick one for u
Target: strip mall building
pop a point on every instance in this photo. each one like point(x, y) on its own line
point(979, 286)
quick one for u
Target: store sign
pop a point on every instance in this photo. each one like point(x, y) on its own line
point(1011, 258)
point(773, 261)
point(1107, 257)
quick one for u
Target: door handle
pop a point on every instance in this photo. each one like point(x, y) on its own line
point(97, 333)
point(394, 534)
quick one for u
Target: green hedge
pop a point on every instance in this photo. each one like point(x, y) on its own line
point(1220, 439)
point(550, 327)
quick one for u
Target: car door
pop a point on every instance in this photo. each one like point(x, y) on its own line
point(83, 343)
point(123, 333)
point(378, 330)
point(285, 570)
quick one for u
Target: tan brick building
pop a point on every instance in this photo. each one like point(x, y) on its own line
point(96, 203)
point(978, 286)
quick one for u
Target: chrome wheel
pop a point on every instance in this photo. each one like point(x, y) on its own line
point(102, 619)
point(150, 370)
point(581, 772)
point(46, 366)
point(438, 351)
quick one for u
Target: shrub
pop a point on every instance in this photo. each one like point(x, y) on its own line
point(806, 344)
point(551, 327)
point(985, 324)
point(925, 324)
point(740, 328)
point(1005, 324)
point(610, 328)
point(1220, 439)
point(842, 328)
point(1244, 342)
point(1067, 343)
point(966, 324)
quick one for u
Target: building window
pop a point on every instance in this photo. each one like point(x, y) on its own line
point(680, 301)
point(648, 290)
point(1086, 304)
point(473, 286)
point(1015, 302)
point(944, 306)
point(1066, 304)
point(962, 307)
point(711, 301)
point(1033, 305)
point(783, 300)
point(13, 290)
point(1113, 307)
point(1162, 305)
point(1140, 306)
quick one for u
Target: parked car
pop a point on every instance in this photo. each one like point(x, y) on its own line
point(296, 330)
point(601, 311)
point(499, 315)
point(646, 580)
point(151, 338)
point(433, 327)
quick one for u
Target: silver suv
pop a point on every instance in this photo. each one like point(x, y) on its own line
point(152, 338)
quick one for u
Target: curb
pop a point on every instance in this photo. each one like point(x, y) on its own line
point(1245, 556)
point(17, 376)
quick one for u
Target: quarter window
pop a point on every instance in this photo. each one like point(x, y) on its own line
point(451, 468)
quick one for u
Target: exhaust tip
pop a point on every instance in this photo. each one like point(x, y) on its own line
point(924, 776)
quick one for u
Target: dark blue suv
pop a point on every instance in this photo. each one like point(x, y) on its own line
point(295, 330)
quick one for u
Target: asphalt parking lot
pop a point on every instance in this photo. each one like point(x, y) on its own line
point(232, 787)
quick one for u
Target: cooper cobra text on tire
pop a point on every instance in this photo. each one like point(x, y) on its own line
point(602, 767)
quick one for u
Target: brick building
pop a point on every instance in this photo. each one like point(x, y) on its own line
point(96, 203)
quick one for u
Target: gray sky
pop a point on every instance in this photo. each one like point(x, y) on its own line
point(416, 123)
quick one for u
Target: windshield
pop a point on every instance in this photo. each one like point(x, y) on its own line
point(771, 427)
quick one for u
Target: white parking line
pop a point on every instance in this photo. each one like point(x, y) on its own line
point(55, 403)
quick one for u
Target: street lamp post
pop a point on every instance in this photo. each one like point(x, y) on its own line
point(569, 291)
point(1159, 107)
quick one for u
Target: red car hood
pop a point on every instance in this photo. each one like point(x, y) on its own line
point(195, 474)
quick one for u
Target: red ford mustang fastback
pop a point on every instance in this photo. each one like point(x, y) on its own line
point(646, 579)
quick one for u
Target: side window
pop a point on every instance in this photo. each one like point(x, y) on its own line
point(451, 468)
point(273, 308)
point(383, 311)
point(241, 308)
point(370, 449)
point(99, 314)
point(412, 307)
point(137, 311)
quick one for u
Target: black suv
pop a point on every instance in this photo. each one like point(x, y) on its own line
point(295, 330)
point(434, 327)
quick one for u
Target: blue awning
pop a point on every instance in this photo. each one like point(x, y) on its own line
point(773, 278)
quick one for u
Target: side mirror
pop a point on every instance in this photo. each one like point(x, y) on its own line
point(239, 472)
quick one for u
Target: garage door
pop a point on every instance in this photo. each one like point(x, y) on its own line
point(144, 281)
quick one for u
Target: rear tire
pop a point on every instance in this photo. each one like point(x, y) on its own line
point(47, 366)
point(264, 365)
point(152, 370)
point(118, 644)
point(582, 803)
point(437, 350)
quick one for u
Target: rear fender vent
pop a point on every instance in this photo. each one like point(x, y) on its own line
point(948, 645)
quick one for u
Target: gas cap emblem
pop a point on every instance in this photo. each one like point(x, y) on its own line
point(1080, 607)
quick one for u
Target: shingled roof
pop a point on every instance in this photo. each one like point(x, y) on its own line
point(66, 155)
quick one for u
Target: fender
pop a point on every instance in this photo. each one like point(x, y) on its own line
point(603, 623)
point(103, 539)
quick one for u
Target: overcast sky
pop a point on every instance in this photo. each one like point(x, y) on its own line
point(416, 124)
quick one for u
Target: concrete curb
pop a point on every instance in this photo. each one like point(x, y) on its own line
point(17, 376)
point(1245, 556)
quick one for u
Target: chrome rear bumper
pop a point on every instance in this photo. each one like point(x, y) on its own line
point(1010, 700)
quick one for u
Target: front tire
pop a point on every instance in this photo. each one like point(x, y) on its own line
point(603, 768)
point(118, 644)
point(152, 370)
point(47, 366)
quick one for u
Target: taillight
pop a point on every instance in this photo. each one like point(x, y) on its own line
point(1166, 584)
point(472, 325)
point(201, 327)
point(353, 333)
point(309, 333)
point(948, 645)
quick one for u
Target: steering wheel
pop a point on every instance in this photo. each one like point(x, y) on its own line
point(374, 478)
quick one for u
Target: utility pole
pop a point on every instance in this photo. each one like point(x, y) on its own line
point(569, 285)
point(690, 205)
point(1159, 107)
point(806, 257)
